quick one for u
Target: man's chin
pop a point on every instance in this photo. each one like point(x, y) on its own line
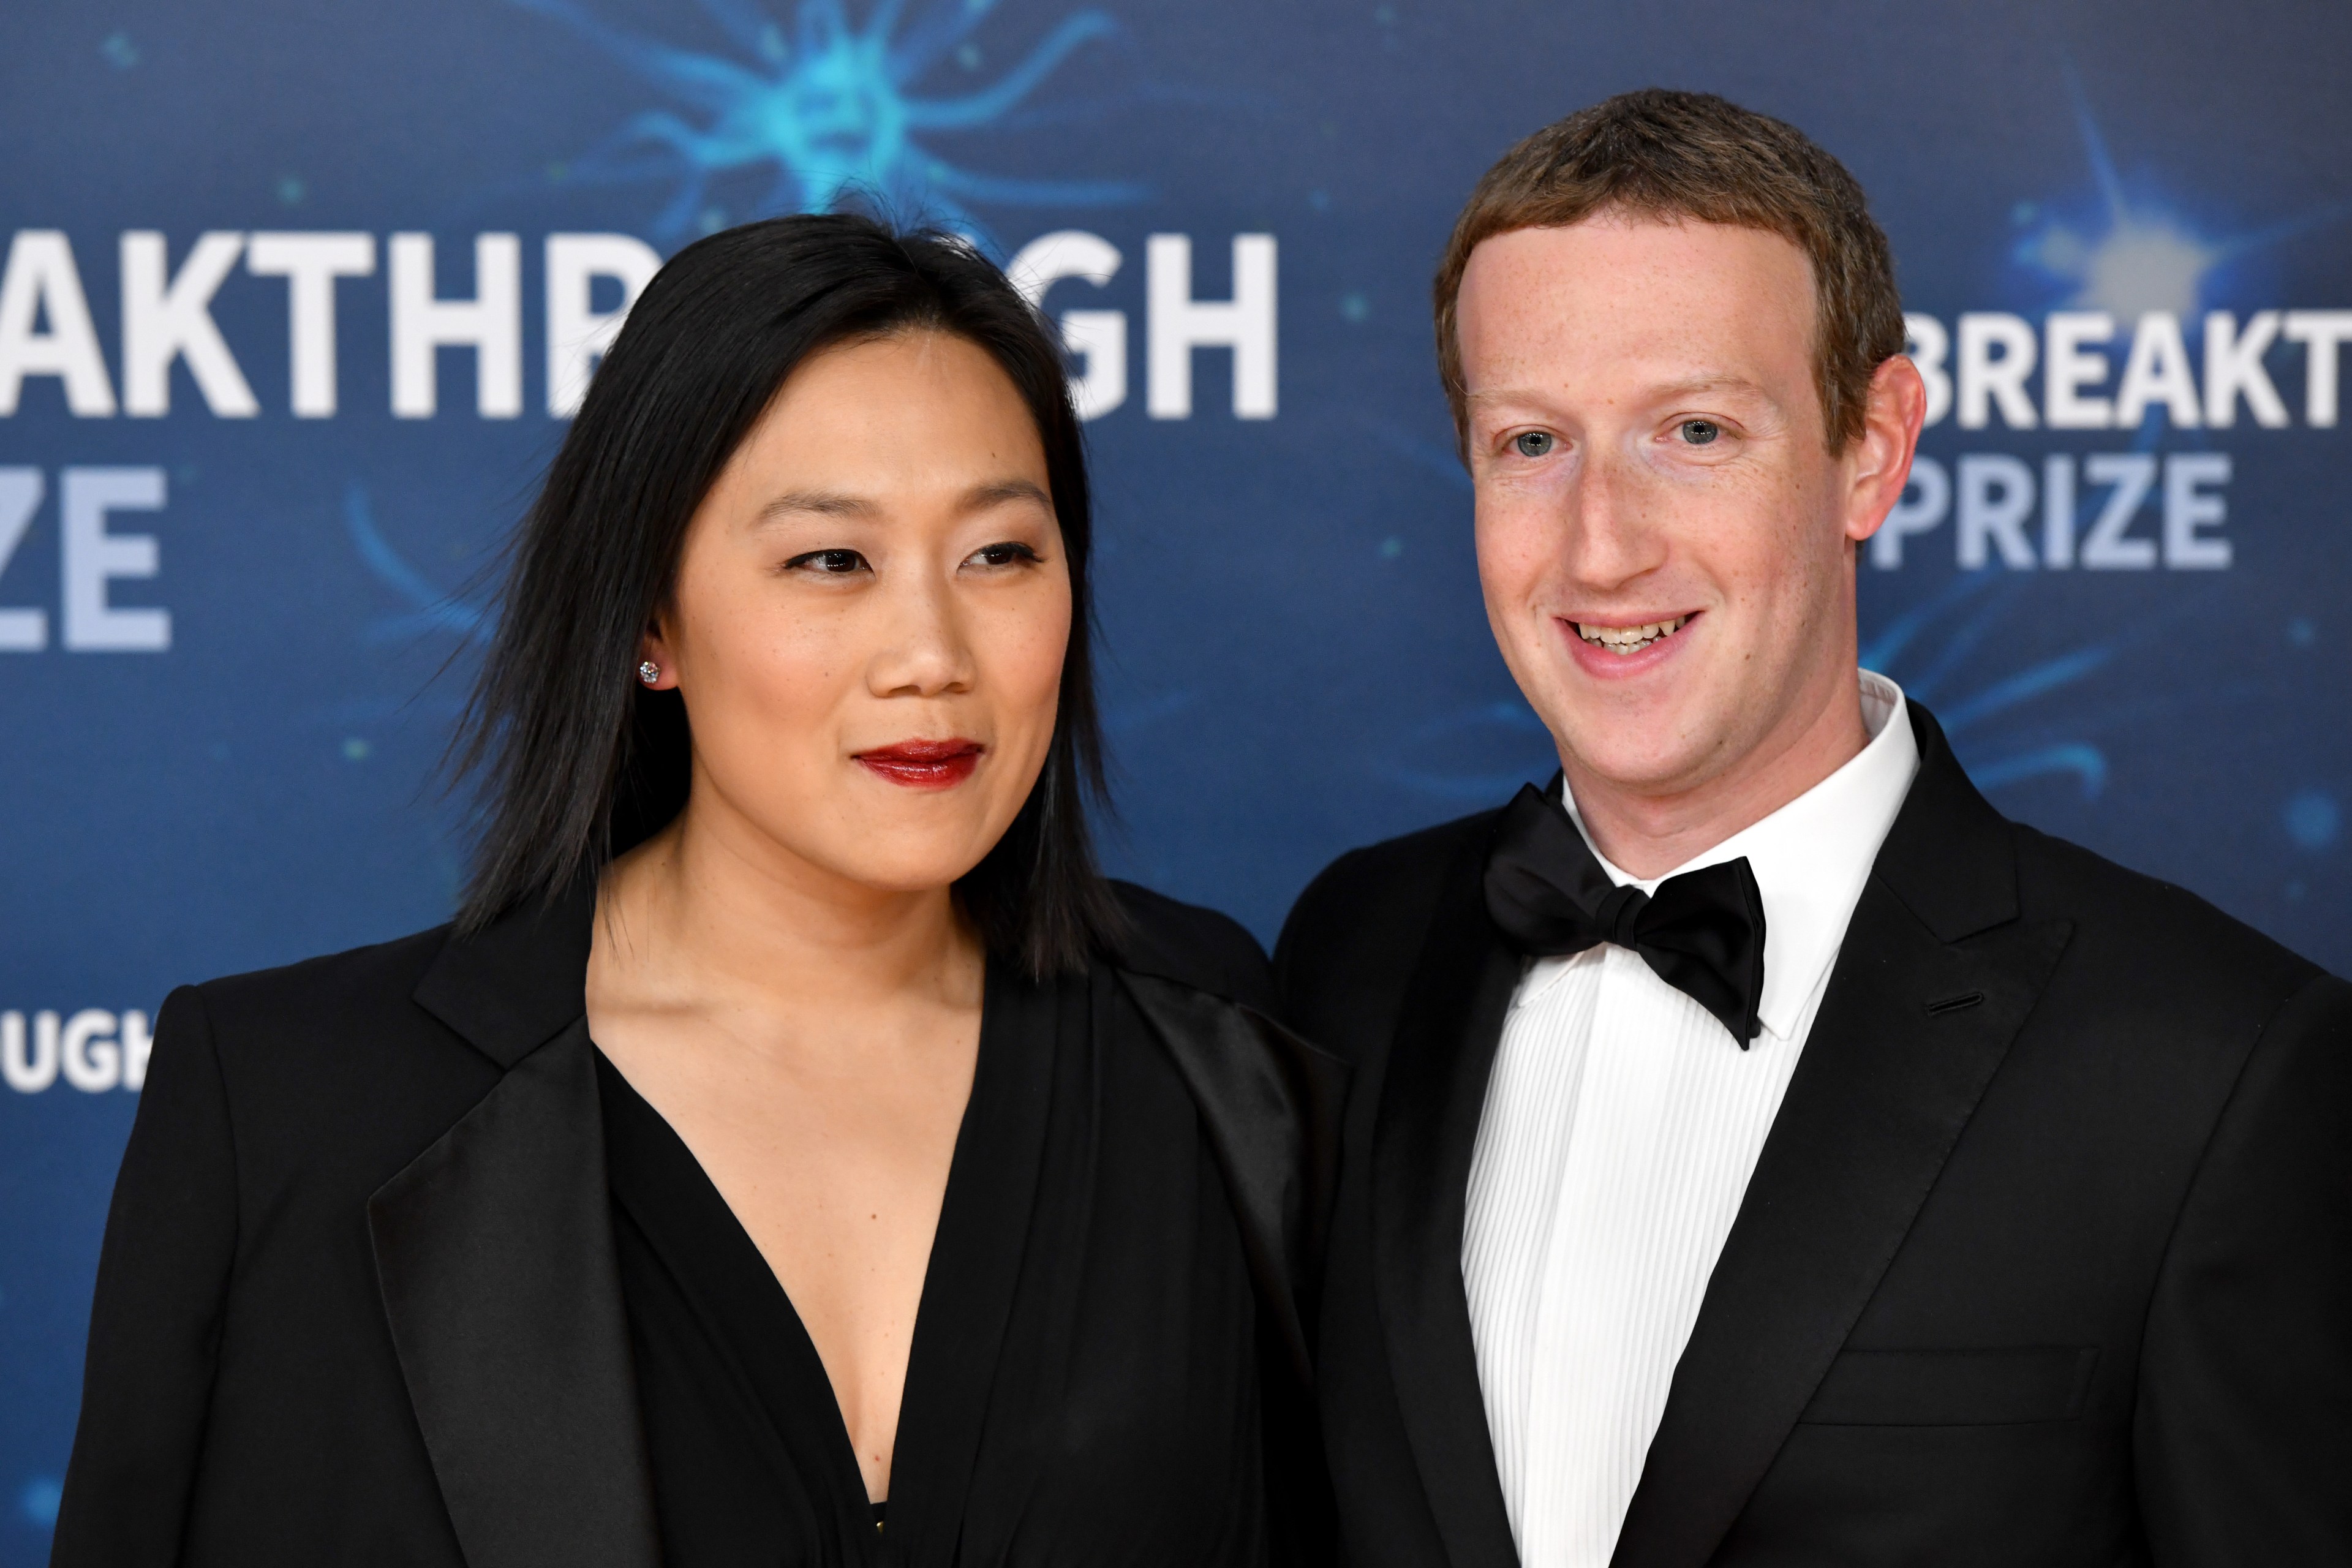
point(1658, 755)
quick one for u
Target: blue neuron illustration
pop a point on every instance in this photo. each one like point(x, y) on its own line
point(828, 113)
point(2135, 251)
point(1932, 649)
point(1478, 755)
point(430, 609)
point(2132, 250)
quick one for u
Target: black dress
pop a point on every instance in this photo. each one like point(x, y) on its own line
point(397, 1277)
point(1083, 1384)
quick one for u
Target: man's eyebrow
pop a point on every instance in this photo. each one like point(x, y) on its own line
point(1714, 383)
point(1690, 386)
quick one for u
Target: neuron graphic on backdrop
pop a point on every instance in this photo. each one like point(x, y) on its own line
point(428, 617)
point(828, 112)
point(430, 609)
point(1932, 649)
point(2132, 249)
point(816, 116)
point(2128, 251)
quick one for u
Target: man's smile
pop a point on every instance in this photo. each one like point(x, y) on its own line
point(1631, 639)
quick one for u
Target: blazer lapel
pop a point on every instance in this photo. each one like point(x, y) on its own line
point(1886, 1084)
point(494, 1251)
point(1270, 1106)
point(1425, 1128)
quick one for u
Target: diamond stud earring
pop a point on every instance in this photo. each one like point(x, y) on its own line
point(649, 672)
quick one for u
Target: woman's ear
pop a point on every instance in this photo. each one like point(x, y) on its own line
point(656, 670)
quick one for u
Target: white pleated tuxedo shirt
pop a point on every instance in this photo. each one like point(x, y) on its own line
point(1620, 1126)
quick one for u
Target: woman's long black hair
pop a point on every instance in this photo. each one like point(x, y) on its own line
point(576, 762)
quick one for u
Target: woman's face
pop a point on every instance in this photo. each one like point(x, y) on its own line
point(872, 608)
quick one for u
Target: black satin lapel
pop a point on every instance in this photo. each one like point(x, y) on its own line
point(494, 1250)
point(1878, 1102)
point(1271, 1106)
point(1425, 1129)
point(977, 1254)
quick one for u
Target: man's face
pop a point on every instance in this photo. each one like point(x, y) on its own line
point(1664, 539)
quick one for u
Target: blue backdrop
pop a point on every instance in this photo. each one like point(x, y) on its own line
point(285, 339)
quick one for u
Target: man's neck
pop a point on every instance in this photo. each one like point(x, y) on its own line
point(1648, 834)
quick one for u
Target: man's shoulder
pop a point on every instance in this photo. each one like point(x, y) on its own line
point(1353, 935)
point(1377, 883)
point(2151, 940)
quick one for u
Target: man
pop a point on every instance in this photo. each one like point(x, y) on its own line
point(1761, 1151)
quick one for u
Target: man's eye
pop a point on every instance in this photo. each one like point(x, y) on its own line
point(1534, 443)
point(1700, 432)
point(1004, 554)
point(833, 562)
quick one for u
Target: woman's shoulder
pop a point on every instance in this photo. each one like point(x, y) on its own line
point(1191, 945)
point(361, 983)
point(330, 1042)
point(324, 1077)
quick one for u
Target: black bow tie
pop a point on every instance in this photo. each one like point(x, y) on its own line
point(1702, 931)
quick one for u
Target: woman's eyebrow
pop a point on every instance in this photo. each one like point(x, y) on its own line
point(997, 492)
point(841, 503)
point(820, 503)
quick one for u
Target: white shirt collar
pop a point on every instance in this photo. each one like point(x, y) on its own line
point(1812, 856)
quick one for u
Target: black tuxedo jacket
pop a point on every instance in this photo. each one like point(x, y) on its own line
point(359, 1303)
point(2047, 1259)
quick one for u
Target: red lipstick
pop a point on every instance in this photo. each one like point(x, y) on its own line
point(925, 764)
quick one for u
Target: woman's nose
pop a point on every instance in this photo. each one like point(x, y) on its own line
point(924, 651)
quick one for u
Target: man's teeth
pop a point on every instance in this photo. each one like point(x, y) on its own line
point(1631, 639)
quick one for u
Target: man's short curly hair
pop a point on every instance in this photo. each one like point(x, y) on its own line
point(1680, 157)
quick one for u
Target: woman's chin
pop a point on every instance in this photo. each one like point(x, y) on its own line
point(915, 865)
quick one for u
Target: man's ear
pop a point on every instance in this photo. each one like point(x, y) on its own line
point(1880, 457)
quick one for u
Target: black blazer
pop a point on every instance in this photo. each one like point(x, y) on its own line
point(358, 1301)
point(2047, 1259)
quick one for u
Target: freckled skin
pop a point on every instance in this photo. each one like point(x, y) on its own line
point(1645, 438)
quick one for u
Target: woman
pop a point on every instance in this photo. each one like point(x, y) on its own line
point(795, 1151)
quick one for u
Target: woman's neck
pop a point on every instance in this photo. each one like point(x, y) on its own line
point(711, 910)
point(814, 1040)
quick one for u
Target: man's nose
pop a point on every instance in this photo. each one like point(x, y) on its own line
point(1612, 525)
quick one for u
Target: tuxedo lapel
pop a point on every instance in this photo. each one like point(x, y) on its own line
point(1425, 1129)
point(1934, 979)
point(494, 1252)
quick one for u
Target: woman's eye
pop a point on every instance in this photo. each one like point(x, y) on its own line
point(831, 563)
point(1004, 553)
point(1533, 443)
point(1700, 432)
